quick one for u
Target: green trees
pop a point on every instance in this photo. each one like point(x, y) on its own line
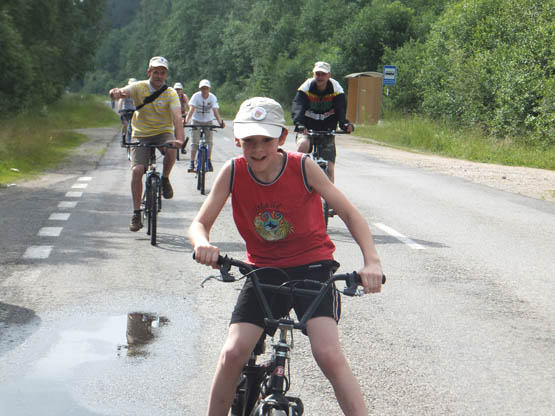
point(486, 62)
point(45, 45)
point(474, 62)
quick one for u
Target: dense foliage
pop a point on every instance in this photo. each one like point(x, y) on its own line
point(45, 44)
point(486, 63)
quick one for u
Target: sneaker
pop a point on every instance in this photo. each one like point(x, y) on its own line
point(167, 190)
point(210, 168)
point(136, 223)
point(331, 212)
point(191, 166)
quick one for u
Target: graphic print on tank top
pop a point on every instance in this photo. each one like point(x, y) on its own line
point(270, 224)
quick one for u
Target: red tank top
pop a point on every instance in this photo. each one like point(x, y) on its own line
point(281, 222)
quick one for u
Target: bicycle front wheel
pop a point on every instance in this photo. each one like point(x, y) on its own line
point(202, 172)
point(326, 211)
point(153, 217)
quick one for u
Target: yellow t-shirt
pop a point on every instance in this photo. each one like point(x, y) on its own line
point(154, 118)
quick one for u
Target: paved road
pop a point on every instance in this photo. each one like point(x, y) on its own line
point(465, 324)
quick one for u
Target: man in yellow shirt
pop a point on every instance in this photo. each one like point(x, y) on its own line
point(157, 122)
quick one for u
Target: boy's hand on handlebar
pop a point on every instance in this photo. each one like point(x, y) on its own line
point(207, 255)
point(222, 124)
point(371, 277)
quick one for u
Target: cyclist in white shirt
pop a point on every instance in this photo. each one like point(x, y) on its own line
point(203, 108)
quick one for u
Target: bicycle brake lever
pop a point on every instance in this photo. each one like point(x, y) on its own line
point(227, 276)
point(208, 278)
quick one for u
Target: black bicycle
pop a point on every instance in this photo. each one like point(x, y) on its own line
point(318, 139)
point(262, 387)
point(151, 203)
point(202, 162)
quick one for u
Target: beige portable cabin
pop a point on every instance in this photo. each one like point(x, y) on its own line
point(364, 97)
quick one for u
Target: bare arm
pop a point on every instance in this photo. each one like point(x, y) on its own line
point(189, 114)
point(371, 273)
point(178, 125)
point(220, 121)
point(199, 231)
point(117, 93)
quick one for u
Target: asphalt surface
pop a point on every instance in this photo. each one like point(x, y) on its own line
point(465, 324)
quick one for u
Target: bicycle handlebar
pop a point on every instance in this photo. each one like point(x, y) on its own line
point(352, 280)
point(143, 144)
point(197, 127)
point(324, 132)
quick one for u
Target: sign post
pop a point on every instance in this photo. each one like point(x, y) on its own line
point(389, 78)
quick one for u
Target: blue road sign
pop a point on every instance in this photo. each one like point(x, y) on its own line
point(389, 74)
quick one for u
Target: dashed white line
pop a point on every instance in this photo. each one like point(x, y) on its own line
point(50, 231)
point(400, 236)
point(74, 194)
point(59, 216)
point(85, 178)
point(67, 204)
point(37, 252)
point(80, 185)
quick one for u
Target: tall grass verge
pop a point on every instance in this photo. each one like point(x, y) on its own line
point(422, 134)
point(40, 138)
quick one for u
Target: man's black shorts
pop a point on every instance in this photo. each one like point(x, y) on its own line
point(248, 309)
point(326, 143)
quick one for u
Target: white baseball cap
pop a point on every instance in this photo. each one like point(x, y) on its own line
point(322, 67)
point(259, 116)
point(204, 83)
point(178, 85)
point(157, 61)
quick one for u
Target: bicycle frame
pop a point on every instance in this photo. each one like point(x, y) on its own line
point(262, 388)
point(151, 201)
point(323, 163)
point(202, 162)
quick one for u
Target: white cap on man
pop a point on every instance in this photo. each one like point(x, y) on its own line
point(158, 61)
point(259, 116)
point(204, 83)
point(178, 86)
point(322, 67)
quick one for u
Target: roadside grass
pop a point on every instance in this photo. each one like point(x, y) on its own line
point(416, 133)
point(40, 138)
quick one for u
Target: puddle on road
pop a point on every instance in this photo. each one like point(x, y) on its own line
point(141, 328)
point(93, 341)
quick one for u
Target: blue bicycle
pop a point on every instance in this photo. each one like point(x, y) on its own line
point(202, 162)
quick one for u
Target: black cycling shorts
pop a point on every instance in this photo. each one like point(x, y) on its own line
point(327, 145)
point(248, 309)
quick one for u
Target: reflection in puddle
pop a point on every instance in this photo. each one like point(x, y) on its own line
point(85, 346)
point(141, 329)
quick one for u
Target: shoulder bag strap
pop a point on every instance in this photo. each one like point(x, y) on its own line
point(152, 97)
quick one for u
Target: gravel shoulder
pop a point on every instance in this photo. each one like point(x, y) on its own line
point(530, 182)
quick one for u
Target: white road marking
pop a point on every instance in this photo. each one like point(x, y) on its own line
point(80, 185)
point(400, 236)
point(37, 252)
point(59, 216)
point(67, 204)
point(84, 178)
point(74, 194)
point(50, 231)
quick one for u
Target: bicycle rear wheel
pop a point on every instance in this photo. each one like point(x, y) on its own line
point(153, 216)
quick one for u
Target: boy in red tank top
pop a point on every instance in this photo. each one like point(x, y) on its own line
point(277, 210)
